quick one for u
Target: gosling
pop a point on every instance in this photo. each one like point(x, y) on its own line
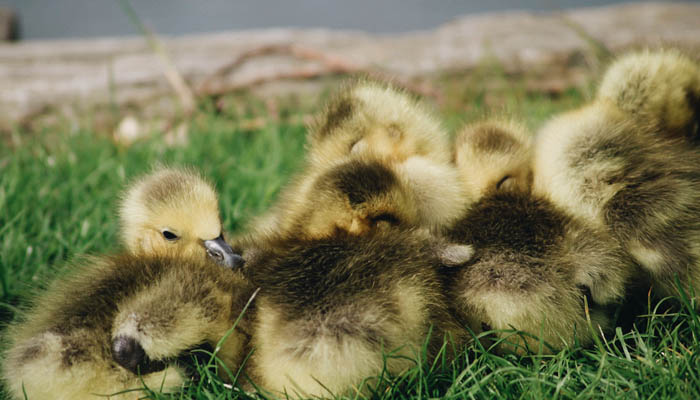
point(174, 210)
point(604, 166)
point(363, 192)
point(61, 348)
point(659, 87)
point(494, 154)
point(536, 269)
point(119, 323)
point(372, 121)
point(333, 313)
point(372, 117)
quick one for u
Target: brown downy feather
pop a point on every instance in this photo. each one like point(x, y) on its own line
point(532, 270)
point(363, 192)
point(333, 312)
point(494, 154)
point(660, 88)
point(622, 175)
point(534, 266)
point(373, 123)
point(91, 331)
point(62, 348)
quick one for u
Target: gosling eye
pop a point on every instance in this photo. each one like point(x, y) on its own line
point(505, 183)
point(169, 236)
point(357, 146)
point(384, 219)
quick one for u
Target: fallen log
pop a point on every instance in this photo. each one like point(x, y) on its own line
point(36, 76)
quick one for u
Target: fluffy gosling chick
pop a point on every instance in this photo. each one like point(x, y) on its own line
point(377, 120)
point(532, 270)
point(371, 117)
point(534, 265)
point(68, 346)
point(352, 197)
point(661, 87)
point(174, 210)
point(68, 330)
point(369, 120)
point(494, 154)
point(329, 310)
point(604, 166)
point(356, 195)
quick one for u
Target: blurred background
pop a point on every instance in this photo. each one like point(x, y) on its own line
point(51, 19)
point(127, 63)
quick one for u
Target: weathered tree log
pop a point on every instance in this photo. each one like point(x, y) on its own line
point(40, 75)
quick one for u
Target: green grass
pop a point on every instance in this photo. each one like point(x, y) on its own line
point(59, 185)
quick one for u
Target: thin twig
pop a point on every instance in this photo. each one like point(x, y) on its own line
point(601, 53)
point(333, 64)
point(330, 65)
point(173, 76)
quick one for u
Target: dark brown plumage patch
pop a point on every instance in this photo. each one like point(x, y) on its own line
point(360, 181)
point(306, 275)
point(491, 139)
point(651, 206)
point(513, 222)
point(586, 150)
point(32, 352)
point(327, 286)
point(338, 112)
point(168, 186)
point(693, 130)
point(91, 300)
point(654, 180)
point(75, 351)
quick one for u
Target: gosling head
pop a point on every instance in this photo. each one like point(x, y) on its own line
point(659, 87)
point(494, 155)
point(376, 119)
point(174, 210)
point(355, 197)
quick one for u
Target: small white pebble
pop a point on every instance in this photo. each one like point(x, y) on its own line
point(84, 228)
point(129, 130)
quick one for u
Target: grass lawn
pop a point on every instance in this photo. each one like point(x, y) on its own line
point(58, 192)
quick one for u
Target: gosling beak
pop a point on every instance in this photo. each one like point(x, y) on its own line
point(222, 253)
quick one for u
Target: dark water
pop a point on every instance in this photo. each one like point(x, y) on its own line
point(93, 18)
